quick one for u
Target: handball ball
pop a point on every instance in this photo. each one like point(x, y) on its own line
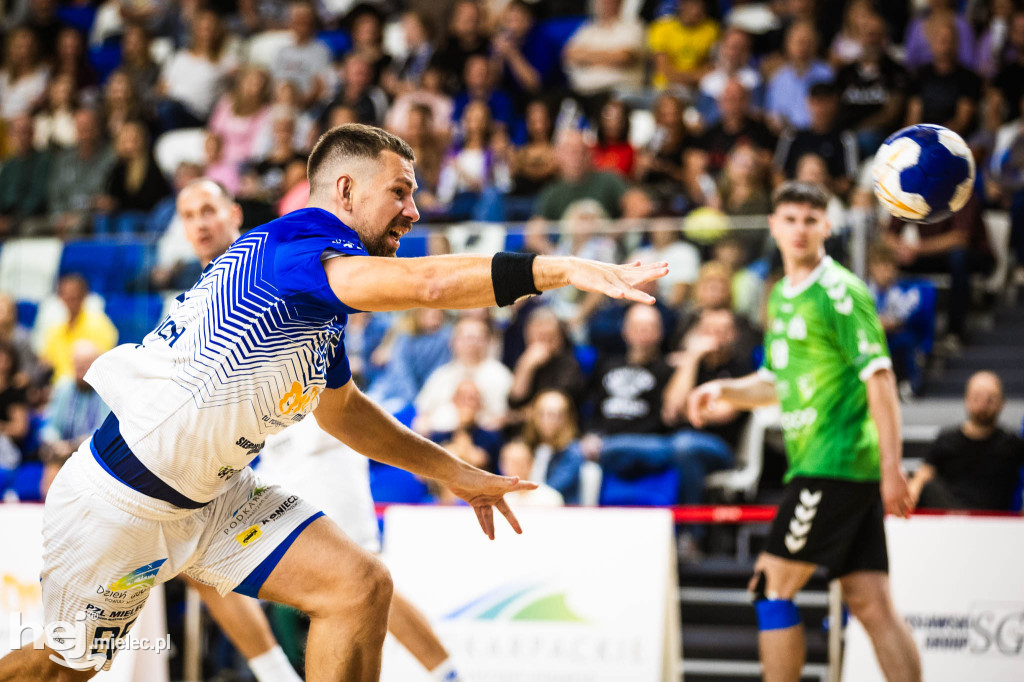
point(923, 173)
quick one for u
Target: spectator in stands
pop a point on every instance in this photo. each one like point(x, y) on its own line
point(524, 60)
point(732, 63)
point(137, 63)
point(872, 89)
point(14, 411)
point(745, 185)
point(665, 245)
point(659, 166)
point(682, 45)
point(613, 150)
point(471, 340)
point(472, 438)
point(82, 324)
point(280, 154)
point(78, 176)
point(708, 352)
point(848, 45)
point(240, 117)
point(295, 187)
point(193, 79)
point(579, 180)
point(1008, 83)
point(406, 74)
point(712, 291)
point(134, 186)
point(786, 97)
point(977, 464)
point(919, 47)
point(415, 346)
point(365, 22)
point(517, 459)
point(812, 168)
point(746, 285)
point(55, 120)
point(605, 56)
point(897, 304)
point(307, 62)
point(534, 164)
point(431, 95)
point(958, 246)
point(736, 126)
point(70, 59)
point(467, 37)
point(23, 75)
point(43, 21)
point(15, 335)
point(475, 173)
point(995, 46)
point(359, 91)
point(23, 179)
point(626, 391)
point(944, 91)
point(822, 136)
point(75, 409)
point(547, 363)
point(479, 80)
point(429, 146)
point(551, 433)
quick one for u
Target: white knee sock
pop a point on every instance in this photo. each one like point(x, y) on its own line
point(445, 672)
point(273, 666)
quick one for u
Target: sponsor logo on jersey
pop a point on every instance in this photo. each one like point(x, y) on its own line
point(226, 472)
point(296, 400)
point(144, 576)
point(93, 612)
point(251, 449)
point(798, 419)
point(249, 535)
point(125, 614)
point(239, 516)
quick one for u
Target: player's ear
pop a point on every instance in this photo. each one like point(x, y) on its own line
point(344, 188)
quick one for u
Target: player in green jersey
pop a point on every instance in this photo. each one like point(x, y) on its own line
point(827, 364)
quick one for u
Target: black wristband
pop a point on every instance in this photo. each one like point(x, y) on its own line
point(512, 277)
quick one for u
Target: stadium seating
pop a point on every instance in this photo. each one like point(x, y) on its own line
point(740, 482)
point(180, 146)
point(28, 268)
point(391, 485)
point(263, 48)
point(109, 266)
point(134, 315)
point(659, 489)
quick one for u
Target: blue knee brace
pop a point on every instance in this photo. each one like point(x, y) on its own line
point(776, 614)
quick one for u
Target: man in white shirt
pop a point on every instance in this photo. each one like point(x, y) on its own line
point(606, 53)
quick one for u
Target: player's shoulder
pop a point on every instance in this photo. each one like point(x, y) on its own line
point(837, 282)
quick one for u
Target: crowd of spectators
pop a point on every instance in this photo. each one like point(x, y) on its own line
point(617, 129)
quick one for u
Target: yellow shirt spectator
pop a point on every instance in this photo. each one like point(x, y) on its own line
point(82, 324)
point(685, 48)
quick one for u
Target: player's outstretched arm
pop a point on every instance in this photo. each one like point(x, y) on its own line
point(884, 406)
point(743, 393)
point(459, 282)
point(357, 421)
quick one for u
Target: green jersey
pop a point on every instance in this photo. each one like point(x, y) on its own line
point(822, 341)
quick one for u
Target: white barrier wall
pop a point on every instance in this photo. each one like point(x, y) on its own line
point(584, 595)
point(20, 562)
point(959, 582)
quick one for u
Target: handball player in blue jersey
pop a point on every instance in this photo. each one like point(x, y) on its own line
point(164, 487)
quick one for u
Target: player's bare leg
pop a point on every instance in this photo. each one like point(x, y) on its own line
point(345, 591)
point(34, 665)
point(245, 624)
point(413, 631)
point(783, 650)
point(867, 595)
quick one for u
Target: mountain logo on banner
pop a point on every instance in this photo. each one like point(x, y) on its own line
point(534, 603)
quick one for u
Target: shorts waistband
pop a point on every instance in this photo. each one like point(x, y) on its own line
point(114, 455)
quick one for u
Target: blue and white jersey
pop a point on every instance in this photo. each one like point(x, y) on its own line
point(244, 353)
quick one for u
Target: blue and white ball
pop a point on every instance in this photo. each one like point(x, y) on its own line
point(924, 173)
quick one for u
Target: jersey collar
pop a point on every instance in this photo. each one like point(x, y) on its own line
point(790, 291)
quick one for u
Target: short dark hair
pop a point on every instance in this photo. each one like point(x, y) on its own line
point(354, 140)
point(882, 253)
point(793, 192)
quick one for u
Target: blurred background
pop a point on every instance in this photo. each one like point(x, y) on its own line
point(613, 129)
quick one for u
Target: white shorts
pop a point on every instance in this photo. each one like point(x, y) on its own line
point(105, 545)
point(326, 473)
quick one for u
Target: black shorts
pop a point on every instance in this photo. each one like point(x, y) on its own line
point(833, 523)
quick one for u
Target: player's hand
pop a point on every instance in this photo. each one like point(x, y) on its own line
point(700, 401)
point(484, 491)
point(896, 494)
point(616, 281)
